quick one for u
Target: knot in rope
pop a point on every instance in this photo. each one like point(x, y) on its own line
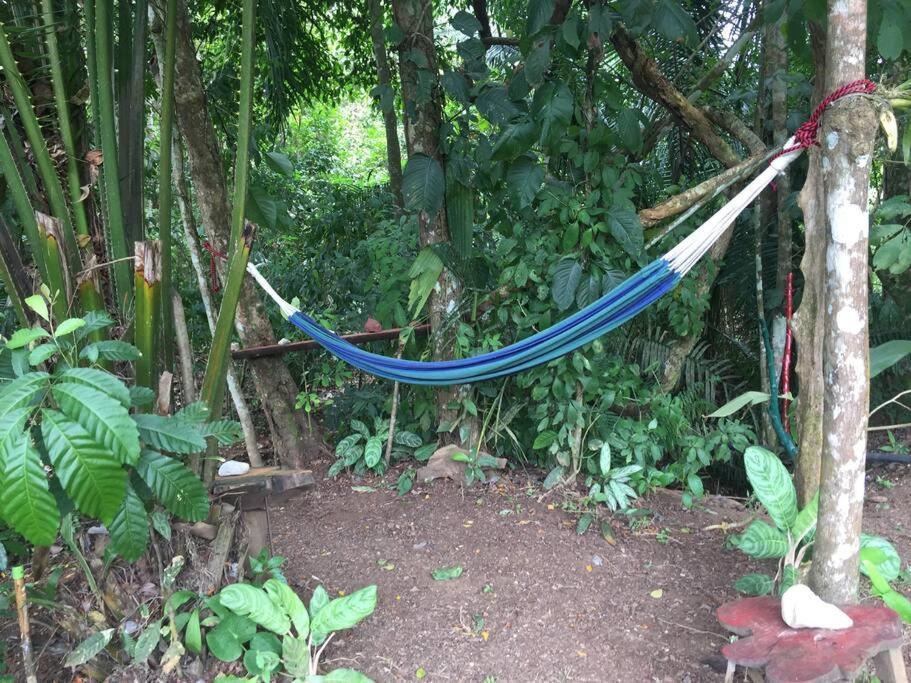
point(806, 135)
point(213, 275)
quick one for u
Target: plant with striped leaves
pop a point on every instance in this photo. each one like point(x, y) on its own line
point(74, 435)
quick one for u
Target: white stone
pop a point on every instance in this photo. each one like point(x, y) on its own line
point(233, 468)
point(802, 608)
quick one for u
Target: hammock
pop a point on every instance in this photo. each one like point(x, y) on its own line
point(613, 309)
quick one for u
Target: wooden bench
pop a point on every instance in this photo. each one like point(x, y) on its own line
point(785, 655)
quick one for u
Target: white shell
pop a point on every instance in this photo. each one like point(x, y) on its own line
point(233, 468)
point(802, 608)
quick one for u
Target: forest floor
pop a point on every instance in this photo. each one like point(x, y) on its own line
point(535, 601)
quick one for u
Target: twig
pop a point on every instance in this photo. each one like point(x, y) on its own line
point(104, 264)
point(694, 630)
point(887, 427)
point(894, 399)
point(25, 640)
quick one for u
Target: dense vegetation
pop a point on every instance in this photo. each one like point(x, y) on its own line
point(488, 170)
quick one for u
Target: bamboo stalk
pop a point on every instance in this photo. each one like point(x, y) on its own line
point(58, 278)
point(104, 89)
point(46, 169)
point(10, 268)
point(147, 282)
point(242, 233)
point(165, 196)
point(25, 640)
point(18, 150)
point(19, 194)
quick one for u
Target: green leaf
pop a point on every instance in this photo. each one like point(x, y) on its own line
point(772, 485)
point(754, 584)
point(537, 63)
point(106, 420)
point(539, 14)
point(280, 163)
point(284, 597)
point(748, 398)
point(890, 41)
point(24, 337)
point(174, 485)
point(524, 177)
point(94, 321)
point(465, 23)
point(886, 355)
point(495, 105)
point(604, 458)
point(168, 434)
point(296, 656)
point(513, 141)
point(225, 432)
point(110, 349)
point(761, 541)
point(456, 87)
point(22, 392)
point(161, 523)
point(788, 578)
point(882, 554)
point(553, 478)
point(130, 528)
point(423, 184)
point(425, 272)
point(628, 129)
point(599, 21)
point(37, 303)
point(409, 439)
point(140, 397)
point(318, 600)
point(147, 642)
point(27, 504)
point(68, 326)
point(192, 637)
point(196, 413)
point(567, 276)
point(805, 521)
point(544, 439)
point(585, 521)
point(252, 602)
point(447, 573)
point(346, 612)
point(626, 228)
point(90, 474)
point(89, 648)
point(373, 451)
point(344, 676)
point(694, 483)
point(224, 644)
point(674, 23)
point(99, 380)
point(552, 108)
point(41, 353)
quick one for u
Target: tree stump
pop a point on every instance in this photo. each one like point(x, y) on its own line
point(812, 655)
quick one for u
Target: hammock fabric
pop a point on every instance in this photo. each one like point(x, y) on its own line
point(607, 313)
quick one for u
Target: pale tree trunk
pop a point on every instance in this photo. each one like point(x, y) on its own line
point(291, 437)
point(809, 319)
point(847, 145)
point(777, 57)
point(387, 101)
point(423, 122)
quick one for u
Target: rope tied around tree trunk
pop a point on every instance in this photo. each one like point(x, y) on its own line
point(808, 132)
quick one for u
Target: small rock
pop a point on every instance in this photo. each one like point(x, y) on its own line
point(233, 468)
point(99, 530)
point(204, 530)
point(877, 499)
point(130, 627)
point(420, 546)
point(802, 608)
point(597, 560)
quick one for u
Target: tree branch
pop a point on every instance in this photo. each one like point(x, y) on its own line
point(733, 125)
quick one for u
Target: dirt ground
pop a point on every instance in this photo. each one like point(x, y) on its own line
point(536, 601)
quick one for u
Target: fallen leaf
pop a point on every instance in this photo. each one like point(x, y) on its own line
point(363, 489)
point(550, 506)
point(657, 593)
point(420, 673)
point(447, 573)
point(467, 523)
point(485, 635)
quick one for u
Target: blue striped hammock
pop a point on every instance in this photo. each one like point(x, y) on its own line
point(613, 309)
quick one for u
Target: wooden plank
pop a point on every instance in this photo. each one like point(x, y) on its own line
point(890, 666)
point(253, 487)
point(309, 344)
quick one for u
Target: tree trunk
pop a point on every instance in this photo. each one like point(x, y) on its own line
point(809, 320)
point(291, 438)
point(424, 118)
point(777, 57)
point(387, 101)
point(847, 137)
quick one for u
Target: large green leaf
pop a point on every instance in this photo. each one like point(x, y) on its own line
point(341, 676)
point(110, 349)
point(674, 23)
point(254, 603)
point(772, 485)
point(538, 15)
point(424, 273)
point(423, 184)
point(224, 644)
point(283, 596)
point(762, 541)
point(886, 355)
point(93, 479)
point(552, 108)
point(373, 451)
point(890, 40)
point(89, 648)
point(806, 519)
point(524, 178)
point(626, 228)
point(567, 275)
point(174, 485)
point(22, 392)
point(495, 105)
point(514, 141)
point(169, 434)
point(103, 417)
point(747, 398)
point(27, 504)
point(754, 584)
point(225, 432)
point(103, 381)
point(882, 555)
point(628, 130)
point(25, 336)
point(296, 656)
point(130, 528)
point(345, 612)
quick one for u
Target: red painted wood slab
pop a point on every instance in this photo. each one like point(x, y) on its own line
point(805, 655)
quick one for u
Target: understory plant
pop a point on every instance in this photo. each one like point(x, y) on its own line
point(73, 435)
point(363, 449)
point(789, 539)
